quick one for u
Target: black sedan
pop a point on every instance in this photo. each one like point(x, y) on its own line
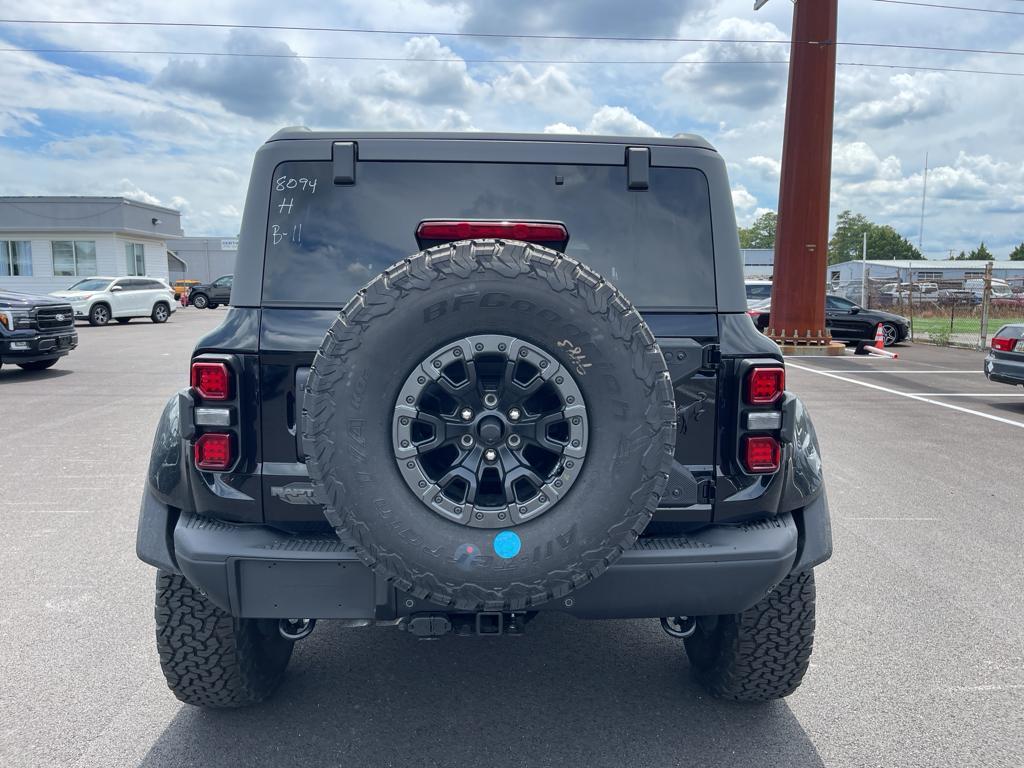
point(1005, 360)
point(847, 321)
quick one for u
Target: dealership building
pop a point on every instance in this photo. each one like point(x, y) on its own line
point(202, 258)
point(49, 243)
point(924, 270)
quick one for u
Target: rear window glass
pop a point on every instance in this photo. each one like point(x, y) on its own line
point(324, 242)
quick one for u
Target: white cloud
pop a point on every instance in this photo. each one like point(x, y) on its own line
point(561, 128)
point(768, 167)
point(750, 85)
point(619, 121)
point(904, 98)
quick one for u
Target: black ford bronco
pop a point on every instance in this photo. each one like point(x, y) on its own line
point(469, 378)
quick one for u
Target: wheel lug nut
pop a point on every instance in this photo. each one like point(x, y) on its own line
point(514, 441)
point(514, 414)
point(466, 414)
point(490, 399)
point(490, 454)
point(467, 441)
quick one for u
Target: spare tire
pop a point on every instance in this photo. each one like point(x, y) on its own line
point(488, 424)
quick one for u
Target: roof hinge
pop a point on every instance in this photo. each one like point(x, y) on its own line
point(638, 167)
point(344, 153)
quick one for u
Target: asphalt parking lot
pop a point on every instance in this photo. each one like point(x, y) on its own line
point(919, 659)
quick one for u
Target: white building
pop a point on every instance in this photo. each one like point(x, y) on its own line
point(48, 243)
point(924, 270)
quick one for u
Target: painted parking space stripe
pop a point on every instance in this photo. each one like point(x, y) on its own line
point(919, 398)
point(967, 394)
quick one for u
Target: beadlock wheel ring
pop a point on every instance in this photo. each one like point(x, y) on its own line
point(490, 431)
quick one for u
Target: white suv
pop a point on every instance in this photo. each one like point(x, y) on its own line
point(98, 299)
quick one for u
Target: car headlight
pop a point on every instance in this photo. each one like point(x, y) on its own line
point(13, 319)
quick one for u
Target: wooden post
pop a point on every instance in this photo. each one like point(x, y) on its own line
point(801, 246)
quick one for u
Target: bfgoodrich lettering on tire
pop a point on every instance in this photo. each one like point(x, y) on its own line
point(489, 424)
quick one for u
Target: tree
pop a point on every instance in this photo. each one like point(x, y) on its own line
point(981, 253)
point(1017, 254)
point(962, 257)
point(884, 242)
point(760, 234)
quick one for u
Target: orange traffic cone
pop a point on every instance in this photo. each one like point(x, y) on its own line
point(879, 337)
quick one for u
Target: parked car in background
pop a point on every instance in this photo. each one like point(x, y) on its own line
point(1000, 288)
point(35, 331)
point(1005, 360)
point(181, 287)
point(211, 295)
point(102, 299)
point(895, 294)
point(846, 321)
point(758, 290)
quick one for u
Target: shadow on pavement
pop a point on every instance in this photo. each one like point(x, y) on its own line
point(11, 374)
point(569, 693)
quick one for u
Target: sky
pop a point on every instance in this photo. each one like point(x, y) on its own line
point(180, 130)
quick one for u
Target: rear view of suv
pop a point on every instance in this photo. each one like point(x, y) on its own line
point(469, 379)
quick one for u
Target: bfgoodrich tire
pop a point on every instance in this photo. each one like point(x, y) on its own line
point(209, 658)
point(762, 653)
point(487, 306)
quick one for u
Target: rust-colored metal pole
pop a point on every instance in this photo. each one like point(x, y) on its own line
point(801, 244)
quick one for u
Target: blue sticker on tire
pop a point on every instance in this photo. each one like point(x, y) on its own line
point(507, 544)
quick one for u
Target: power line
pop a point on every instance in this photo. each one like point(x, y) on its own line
point(951, 7)
point(399, 59)
point(512, 36)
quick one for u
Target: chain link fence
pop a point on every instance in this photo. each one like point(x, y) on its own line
point(966, 312)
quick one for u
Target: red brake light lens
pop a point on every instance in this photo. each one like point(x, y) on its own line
point(213, 451)
point(761, 454)
point(529, 232)
point(1003, 345)
point(765, 385)
point(211, 381)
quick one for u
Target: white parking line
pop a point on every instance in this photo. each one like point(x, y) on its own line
point(909, 395)
point(882, 370)
point(966, 394)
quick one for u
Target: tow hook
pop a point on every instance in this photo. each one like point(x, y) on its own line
point(295, 629)
point(679, 626)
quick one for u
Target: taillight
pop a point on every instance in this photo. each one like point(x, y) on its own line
point(211, 380)
point(527, 231)
point(213, 451)
point(1002, 344)
point(761, 454)
point(765, 385)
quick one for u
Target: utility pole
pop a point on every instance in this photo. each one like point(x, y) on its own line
point(924, 196)
point(864, 273)
point(801, 252)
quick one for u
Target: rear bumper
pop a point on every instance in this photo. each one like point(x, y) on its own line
point(1003, 370)
point(256, 571)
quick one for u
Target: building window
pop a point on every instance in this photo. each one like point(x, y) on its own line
point(135, 259)
point(74, 258)
point(928, 275)
point(15, 258)
point(968, 275)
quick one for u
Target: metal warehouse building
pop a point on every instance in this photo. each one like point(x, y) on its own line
point(921, 270)
point(48, 243)
point(202, 258)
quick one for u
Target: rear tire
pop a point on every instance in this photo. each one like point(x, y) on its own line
point(99, 314)
point(890, 334)
point(161, 311)
point(762, 653)
point(199, 301)
point(209, 658)
point(38, 365)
